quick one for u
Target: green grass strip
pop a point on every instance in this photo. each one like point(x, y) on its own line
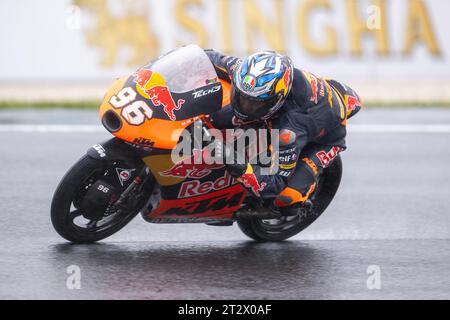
point(50, 105)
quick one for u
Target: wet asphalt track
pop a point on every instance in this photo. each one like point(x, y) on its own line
point(391, 211)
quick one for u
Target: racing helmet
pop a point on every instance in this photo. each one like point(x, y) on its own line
point(261, 84)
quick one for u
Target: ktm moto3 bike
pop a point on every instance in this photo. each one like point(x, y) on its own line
point(134, 172)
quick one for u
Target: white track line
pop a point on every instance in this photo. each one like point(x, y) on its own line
point(400, 128)
point(360, 128)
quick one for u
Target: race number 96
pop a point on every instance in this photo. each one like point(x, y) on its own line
point(134, 112)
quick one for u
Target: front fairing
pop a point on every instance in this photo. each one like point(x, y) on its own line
point(164, 98)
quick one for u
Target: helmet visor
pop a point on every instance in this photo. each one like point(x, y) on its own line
point(250, 108)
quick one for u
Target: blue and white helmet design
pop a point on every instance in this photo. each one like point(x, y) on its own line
point(261, 84)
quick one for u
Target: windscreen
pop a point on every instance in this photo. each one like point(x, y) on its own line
point(185, 69)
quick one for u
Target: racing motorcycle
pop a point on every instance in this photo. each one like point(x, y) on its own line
point(134, 171)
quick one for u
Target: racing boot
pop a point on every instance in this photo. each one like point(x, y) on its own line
point(297, 209)
point(292, 202)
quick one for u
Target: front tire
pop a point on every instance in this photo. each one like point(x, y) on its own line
point(65, 207)
point(286, 227)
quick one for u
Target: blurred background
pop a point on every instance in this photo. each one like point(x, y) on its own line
point(391, 211)
point(390, 51)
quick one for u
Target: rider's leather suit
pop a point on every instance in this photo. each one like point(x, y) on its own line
point(312, 129)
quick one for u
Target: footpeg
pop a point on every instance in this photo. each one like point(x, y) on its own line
point(298, 209)
point(220, 224)
point(261, 213)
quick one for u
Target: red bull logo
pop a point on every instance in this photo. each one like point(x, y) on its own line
point(189, 169)
point(152, 86)
point(250, 182)
point(161, 96)
point(142, 77)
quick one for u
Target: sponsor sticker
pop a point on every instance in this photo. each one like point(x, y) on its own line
point(124, 175)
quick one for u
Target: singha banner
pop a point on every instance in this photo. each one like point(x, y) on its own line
point(97, 39)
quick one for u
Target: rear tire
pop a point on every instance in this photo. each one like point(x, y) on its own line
point(64, 199)
point(287, 227)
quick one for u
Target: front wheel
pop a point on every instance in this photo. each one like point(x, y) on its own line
point(68, 214)
point(286, 227)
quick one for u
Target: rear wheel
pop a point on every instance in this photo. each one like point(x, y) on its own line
point(286, 227)
point(73, 222)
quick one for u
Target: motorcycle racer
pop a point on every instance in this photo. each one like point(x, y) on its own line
point(310, 113)
point(165, 159)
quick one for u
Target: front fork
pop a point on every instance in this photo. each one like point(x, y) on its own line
point(141, 178)
point(116, 150)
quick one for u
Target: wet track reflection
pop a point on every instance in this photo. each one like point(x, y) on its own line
point(383, 215)
point(248, 270)
point(196, 270)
